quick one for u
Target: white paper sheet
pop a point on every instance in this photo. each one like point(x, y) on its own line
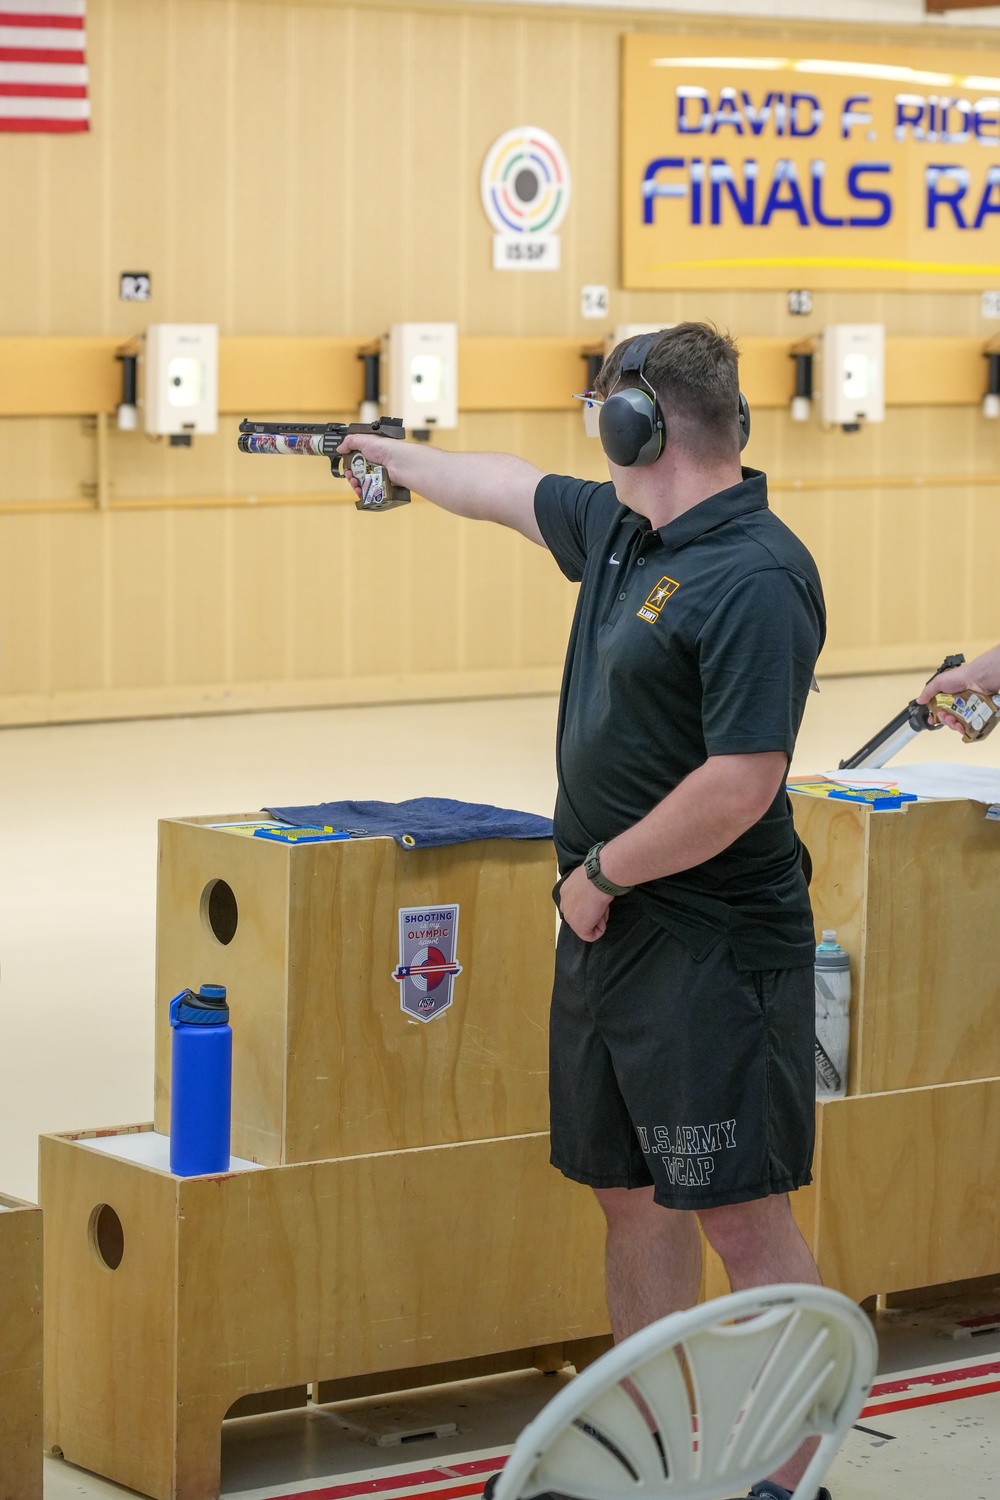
point(934, 779)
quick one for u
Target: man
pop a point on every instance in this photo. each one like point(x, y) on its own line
point(682, 1030)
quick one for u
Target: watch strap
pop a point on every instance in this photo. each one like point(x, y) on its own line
point(596, 876)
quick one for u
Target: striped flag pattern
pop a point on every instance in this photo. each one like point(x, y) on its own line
point(43, 66)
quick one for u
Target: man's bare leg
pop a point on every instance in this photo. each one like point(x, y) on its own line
point(652, 1260)
point(760, 1245)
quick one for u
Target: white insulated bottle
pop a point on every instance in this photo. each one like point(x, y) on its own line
point(833, 1017)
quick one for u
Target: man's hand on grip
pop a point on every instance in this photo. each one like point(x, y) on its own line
point(377, 450)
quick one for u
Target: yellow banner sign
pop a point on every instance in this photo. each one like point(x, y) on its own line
point(751, 164)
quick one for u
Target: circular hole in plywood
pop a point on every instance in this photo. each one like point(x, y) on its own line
point(220, 914)
point(107, 1238)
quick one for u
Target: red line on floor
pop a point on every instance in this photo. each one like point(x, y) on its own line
point(936, 1378)
point(932, 1398)
point(414, 1479)
point(402, 1481)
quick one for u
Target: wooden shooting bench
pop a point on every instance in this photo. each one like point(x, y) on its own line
point(390, 1219)
point(20, 1350)
point(904, 1190)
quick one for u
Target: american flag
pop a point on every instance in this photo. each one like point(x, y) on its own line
point(43, 66)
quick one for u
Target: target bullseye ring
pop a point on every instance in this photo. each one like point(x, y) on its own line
point(525, 182)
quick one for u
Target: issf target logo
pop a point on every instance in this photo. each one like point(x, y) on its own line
point(428, 967)
point(525, 190)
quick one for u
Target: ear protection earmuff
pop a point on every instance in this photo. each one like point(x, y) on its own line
point(744, 422)
point(633, 432)
point(631, 423)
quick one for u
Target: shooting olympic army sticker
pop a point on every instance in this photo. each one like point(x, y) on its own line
point(428, 967)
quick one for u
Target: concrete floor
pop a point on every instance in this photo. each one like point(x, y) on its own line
point(947, 1442)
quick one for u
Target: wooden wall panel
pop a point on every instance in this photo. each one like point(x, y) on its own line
point(330, 114)
point(947, 595)
point(79, 599)
point(200, 172)
point(378, 181)
point(380, 593)
point(201, 594)
point(261, 596)
point(981, 596)
point(24, 653)
point(139, 589)
point(493, 50)
point(88, 378)
point(493, 596)
point(898, 539)
point(850, 573)
point(237, 155)
point(137, 113)
point(958, 379)
point(322, 376)
point(268, 175)
point(319, 620)
point(440, 158)
point(431, 642)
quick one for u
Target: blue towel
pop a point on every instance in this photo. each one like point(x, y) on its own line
point(420, 823)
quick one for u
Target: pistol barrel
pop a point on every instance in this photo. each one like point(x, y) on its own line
point(308, 443)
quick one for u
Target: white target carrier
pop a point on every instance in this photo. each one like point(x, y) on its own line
point(179, 379)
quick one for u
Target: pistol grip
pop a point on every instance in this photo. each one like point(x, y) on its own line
point(395, 494)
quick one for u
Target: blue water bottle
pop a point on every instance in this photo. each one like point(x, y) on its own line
point(201, 1087)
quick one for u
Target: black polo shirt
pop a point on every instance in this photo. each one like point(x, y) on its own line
point(697, 638)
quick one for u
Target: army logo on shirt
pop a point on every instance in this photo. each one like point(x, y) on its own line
point(651, 609)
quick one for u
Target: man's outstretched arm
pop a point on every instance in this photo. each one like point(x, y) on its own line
point(482, 486)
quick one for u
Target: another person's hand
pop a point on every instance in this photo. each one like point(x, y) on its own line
point(583, 906)
point(981, 676)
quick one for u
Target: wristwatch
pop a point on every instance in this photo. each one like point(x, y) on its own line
point(592, 866)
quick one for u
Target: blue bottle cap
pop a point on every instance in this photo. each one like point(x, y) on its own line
point(207, 1008)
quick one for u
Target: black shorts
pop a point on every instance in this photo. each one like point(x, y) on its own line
point(690, 1076)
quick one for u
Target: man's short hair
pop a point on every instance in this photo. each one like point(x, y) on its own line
point(694, 370)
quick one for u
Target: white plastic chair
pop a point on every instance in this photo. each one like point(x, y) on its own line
point(733, 1388)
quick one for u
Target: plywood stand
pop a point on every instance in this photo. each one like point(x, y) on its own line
point(306, 938)
point(914, 895)
point(274, 1278)
point(903, 1192)
point(394, 1219)
point(20, 1350)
